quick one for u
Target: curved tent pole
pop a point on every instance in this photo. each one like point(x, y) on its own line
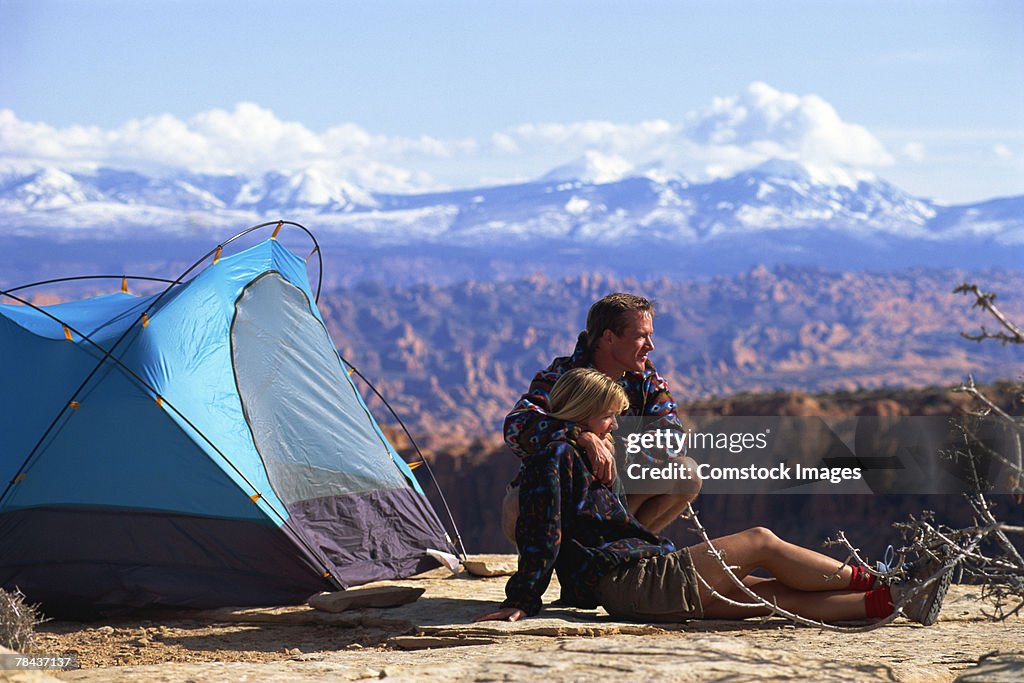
point(278, 225)
point(88, 277)
point(426, 463)
point(215, 251)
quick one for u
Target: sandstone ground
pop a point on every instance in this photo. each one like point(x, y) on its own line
point(434, 639)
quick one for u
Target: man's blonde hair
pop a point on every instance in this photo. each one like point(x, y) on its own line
point(583, 393)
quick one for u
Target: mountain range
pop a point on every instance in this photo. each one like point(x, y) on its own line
point(780, 212)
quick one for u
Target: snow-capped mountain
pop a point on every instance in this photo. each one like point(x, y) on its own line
point(309, 189)
point(786, 194)
point(131, 188)
point(592, 167)
point(43, 189)
point(780, 211)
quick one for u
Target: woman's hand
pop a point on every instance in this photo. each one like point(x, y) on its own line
point(600, 455)
point(503, 614)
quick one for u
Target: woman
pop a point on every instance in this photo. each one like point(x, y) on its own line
point(574, 525)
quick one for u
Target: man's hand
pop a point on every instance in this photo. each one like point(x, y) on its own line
point(503, 614)
point(600, 455)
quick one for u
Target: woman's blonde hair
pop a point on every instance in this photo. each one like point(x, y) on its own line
point(583, 393)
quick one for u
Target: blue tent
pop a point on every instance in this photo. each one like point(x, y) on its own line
point(218, 455)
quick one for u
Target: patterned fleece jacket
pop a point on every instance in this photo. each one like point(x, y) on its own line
point(529, 429)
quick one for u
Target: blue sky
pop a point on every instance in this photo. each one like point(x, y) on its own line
point(453, 93)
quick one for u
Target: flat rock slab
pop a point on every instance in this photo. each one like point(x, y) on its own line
point(356, 598)
point(491, 565)
point(996, 667)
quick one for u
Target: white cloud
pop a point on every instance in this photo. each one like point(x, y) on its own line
point(730, 134)
point(766, 122)
point(247, 139)
point(1002, 151)
point(914, 151)
point(503, 143)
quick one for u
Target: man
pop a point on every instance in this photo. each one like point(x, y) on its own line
point(617, 342)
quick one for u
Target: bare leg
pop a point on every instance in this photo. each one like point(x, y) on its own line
point(793, 567)
point(820, 605)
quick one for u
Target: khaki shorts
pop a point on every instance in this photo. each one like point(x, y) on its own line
point(655, 589)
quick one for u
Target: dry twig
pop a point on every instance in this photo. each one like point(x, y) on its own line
point(986, 300)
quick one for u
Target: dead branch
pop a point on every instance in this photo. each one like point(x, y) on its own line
point(990, 407)
point(986, 301)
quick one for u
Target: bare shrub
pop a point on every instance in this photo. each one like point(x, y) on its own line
point(18, 620)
